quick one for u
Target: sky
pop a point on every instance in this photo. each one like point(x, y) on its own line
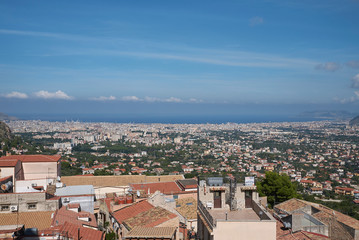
point(179, 58)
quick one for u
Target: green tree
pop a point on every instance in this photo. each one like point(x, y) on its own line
point(277, 188)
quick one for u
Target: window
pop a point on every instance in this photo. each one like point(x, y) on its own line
point(5, 208)
point(31, 206)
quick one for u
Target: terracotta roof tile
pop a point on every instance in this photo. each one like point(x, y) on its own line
point(72, 230)
point(8, 162)
point(187, 207)
point(122, 180)
point(157, 232)
point(132, 210)
point(290, 205)
point(150, 218)
point(39, 220)
point(33, 158)
point(163, 187)
point(63, 215)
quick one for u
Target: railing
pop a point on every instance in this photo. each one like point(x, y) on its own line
point(211, 222)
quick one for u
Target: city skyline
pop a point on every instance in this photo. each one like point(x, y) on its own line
point(179, 58)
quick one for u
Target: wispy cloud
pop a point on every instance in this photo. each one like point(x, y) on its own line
point(152, 99)
point(173, 99)
point(52, 95)
point(103, 98)
point(353, 64)
point(131, 98)
point(256, 21)
point(170, 51)
point(328, 66)
point(16, 95)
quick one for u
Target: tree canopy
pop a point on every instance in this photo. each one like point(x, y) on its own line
point(277, 188)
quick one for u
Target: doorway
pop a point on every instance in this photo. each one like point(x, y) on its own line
point(248, 199)
point(217, 199)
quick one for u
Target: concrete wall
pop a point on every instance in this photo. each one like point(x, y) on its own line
point(26, 185)
point(202, 231)
point(7, 171)
point(206, 195)
point(40, 170)
point(245, 230)
point(86, 202)
point(22, 201)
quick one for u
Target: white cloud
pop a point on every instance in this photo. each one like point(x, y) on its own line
point(195, 100)
point(16, 95)
point(328, 66)
point(103, 98)
point(131, 98)
point(173, 99)
point(255, 21)
point(355, 81)
point(152, 99)
point(52, 95)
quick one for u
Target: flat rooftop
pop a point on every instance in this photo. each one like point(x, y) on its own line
point(246, 214)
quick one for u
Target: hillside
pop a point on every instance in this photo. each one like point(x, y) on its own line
point(354, 121)
point(5, 132)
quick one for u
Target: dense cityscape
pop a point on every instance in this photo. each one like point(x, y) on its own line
point(316, 162)
point(179, 120)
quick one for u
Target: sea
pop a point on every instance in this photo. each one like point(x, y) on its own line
point(202, 119)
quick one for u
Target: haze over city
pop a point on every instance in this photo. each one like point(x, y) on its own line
point(186, 59)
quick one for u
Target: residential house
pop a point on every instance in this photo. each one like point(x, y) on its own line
point(227, 210)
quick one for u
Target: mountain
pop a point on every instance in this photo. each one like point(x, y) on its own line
point(328, 115)
point(354, 121)
point(5, 132)
point(4, 117)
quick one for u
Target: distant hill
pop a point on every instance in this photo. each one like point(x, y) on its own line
point(5, 132)
point(4, 117)
point(354, 121)
point(328, 115)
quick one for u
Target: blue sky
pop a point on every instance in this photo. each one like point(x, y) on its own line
point(179, 57)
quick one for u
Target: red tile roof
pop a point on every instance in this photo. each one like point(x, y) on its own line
point(151, 218)
point(132, 210)
point(163, 187)
point(73, 205)
point(39, 220)
point(8, 162)
point(63, 215)
point(33, 158)
point(72, 230)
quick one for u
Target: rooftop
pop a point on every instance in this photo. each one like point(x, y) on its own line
point(149, 232)
point(33, 158)
point(246, 214)
point(75, 190)
point(63, 215)
point(163, 187)
point(296, 204)
point(8, 162)
point(187, 207)
point(73, 230)
point(122, 180)
point(39, 220)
